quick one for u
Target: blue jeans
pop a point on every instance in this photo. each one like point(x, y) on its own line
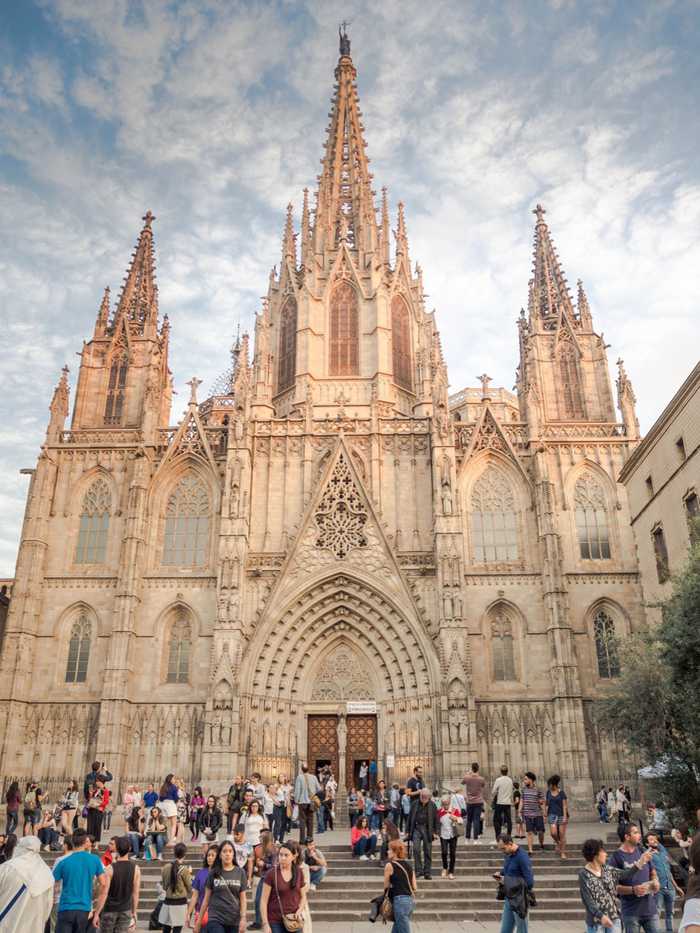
point(316, 875)
point(366, 845)
point(258, 898)
point(135, 840)
point(665, 898)
point(403, 906)
point(275, 926)
point(637, 924)
point(597, 928)
point(474, 811)
point(157, 840)
point(321, 820)
point(72, 921)
point(511, 921)
point(215, 927)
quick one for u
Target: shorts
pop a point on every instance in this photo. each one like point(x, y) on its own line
point(555, 820)
point(168, 808)
point(31, 816)
point(534, 824)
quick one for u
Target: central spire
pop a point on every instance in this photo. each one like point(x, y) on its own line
point(345, 207)
point(549, 294)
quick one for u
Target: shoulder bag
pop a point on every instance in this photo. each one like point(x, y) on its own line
point(314, 798)
point(387, 908)
point(289, 921)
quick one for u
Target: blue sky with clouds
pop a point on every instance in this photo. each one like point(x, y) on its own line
point(213, 115)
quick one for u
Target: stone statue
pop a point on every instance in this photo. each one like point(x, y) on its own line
point(344, 40)
point(453, 726)
point(446, 500)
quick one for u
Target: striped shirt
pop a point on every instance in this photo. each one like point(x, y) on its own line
point(532, 799)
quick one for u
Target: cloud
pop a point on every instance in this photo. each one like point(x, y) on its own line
point(212, 114)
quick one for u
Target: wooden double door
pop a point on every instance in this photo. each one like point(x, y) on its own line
point(360, 744)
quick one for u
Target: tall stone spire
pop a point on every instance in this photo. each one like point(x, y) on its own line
point(289, 247)
point(583, 309)
point(549, 292)
point(138, 301)
point(626, 402)
point(345, 203)
point(102, 322)
point(306, 244)
point(58, 407)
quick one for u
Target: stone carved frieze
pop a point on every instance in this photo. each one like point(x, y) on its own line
point(342, 677)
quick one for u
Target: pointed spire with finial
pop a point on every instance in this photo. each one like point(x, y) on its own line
point(138, 301)
point(626, 402)
point(401, 235)
point(583, 309)
point(102, 321)
point(384, 238)
point(289, 246)
point(549, 292)
point(306, 245)
point(59, 406)
point(345, 183)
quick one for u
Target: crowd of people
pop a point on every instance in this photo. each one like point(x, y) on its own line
point(246, 851)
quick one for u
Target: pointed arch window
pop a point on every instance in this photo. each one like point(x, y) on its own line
point(401, 343)
point(116, 389)
point(494, 519)
point(286, 369)
point(344, 356)
point(569, 382)
point(179, 651)
point(94, 524)
point(187, 522)
point(78, 651)
point(591, 519)
point(502, 645)
point(606, 645)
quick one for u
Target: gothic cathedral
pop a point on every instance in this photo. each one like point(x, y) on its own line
point(330, 557)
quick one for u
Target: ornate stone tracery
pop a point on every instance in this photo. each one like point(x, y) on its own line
point(341, 515)
point(342, 677)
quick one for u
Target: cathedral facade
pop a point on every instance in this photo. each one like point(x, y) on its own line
point(330, 557)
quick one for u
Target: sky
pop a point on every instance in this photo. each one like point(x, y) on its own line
point(213, 116)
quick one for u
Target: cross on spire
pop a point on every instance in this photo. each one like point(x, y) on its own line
point(484, 380)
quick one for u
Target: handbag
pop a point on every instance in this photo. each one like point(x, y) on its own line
point(386, 909)
point(289, 921)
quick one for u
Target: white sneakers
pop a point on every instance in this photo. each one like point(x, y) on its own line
point(364, 858)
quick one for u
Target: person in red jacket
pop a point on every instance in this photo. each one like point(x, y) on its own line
point(363, 842)
point(97, 804)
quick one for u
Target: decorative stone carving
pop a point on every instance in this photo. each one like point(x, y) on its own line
point(342, 677)
point(341, 516)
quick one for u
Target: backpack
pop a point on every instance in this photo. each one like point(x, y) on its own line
point(30, 800)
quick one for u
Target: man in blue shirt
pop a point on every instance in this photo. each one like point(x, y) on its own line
point(76, 872)
point(667, 886)
point(637, 896)
point(518, 881)
point(150, 798)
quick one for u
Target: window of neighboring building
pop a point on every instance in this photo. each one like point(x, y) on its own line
point(116, 390)
point(494, 518)
point(78, 651)
point(287, 345)
point(401, 343)
point(344, 356)
point(591, 519)
point(502, 646)
point(649, 483)
point(179, 651)
point(692, 514)
point(680, 449)
point(661, 554)
point(94, 524)
point(606, 645)
point(187, 518)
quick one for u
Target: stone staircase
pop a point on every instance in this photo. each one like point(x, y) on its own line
point(346, 891)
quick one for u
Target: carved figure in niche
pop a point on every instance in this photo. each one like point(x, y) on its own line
point(223, 699)
point(292, 740)
point(252, 735)
point(447, 604)
point(223, 607)
point(390, 739)
point(342, 731)
point(446, 486)
point(267, 737)
point(415, 738)
point(403, 738)
point(280, 740)
point(457, 603)
point(453, 726)
point(463, 727)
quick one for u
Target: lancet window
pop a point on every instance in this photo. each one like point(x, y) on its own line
point(401, 343)
point(179, 651)
point(286, 369)
point(569, 382)
point(591, 519)
point(344, 356)
point(502, 645)
point(187, 522)
point(94, 524)
point(606, 645)
point(78, 651)
point(116, 390)
point(494, 518)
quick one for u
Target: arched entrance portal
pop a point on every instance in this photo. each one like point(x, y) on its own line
point(342, 672)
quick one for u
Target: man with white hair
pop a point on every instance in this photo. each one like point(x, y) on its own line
point(26, 889)
point(422, 829)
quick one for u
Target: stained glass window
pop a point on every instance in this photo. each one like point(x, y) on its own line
point(606, 645)
point(401, 343)
point(287, 345)
point(591, 519)
point(78, 651)
point(570, 384)
point(344, 335)
point(116, 390)
point(94, 524)
point(179, 651)
point(187, 518)
point(494, 519)
point(502, 646)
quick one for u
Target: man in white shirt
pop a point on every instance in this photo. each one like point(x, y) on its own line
point(502, 795)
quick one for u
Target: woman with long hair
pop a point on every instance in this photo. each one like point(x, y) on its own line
point(134, 830)
point(210, 819)
point(255, 823)
point(284, 891)
point(199, 885)
point(400, 883)
point(362, 841)
point(557, 814)
point(13, 798)
point(197, 804)
point(598, 887)
point(156, 831)
point(8, 847)
point(176, 882)
point(69, 806)
point(167, 797)
point(225, 896)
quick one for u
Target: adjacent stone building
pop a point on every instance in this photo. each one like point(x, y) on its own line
point(329, 557)
point(662, 479)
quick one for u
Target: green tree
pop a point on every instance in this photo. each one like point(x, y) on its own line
point(654, 706)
